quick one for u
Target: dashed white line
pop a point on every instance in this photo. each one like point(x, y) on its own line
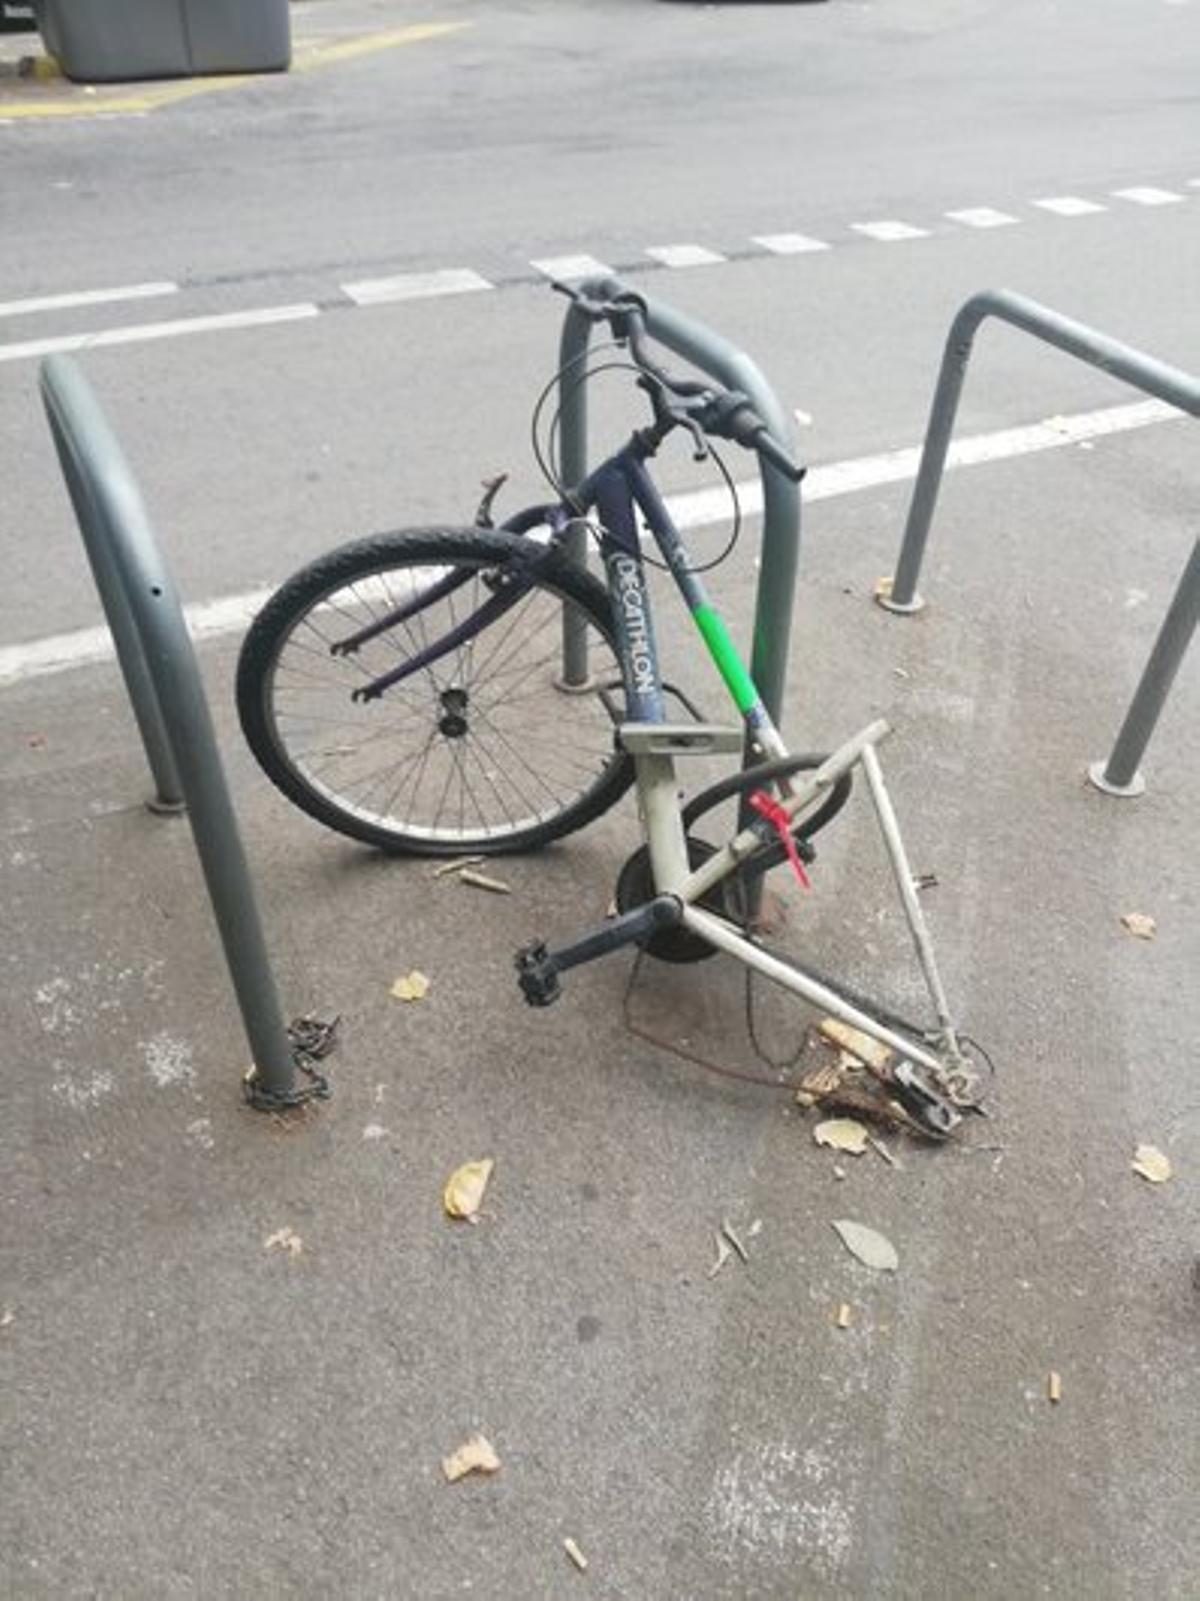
point(86, 297)
point(415, 286)
point(569, 267)
point(1147, 195)
point(981, 217)
point(684, 256)
point(1069, 206)
point(889, 233)
point(789, 244)
point(142, 332)
point(230, 614)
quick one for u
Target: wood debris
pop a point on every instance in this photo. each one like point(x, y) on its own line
point(861, 1046)
point(575, 1554)
point(457, 865)
point(728, 1231)
point(1140, 925)
point(723, 1255)
point(482, 881)
point(1054, 1387)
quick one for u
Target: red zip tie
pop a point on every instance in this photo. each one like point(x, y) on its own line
point(773, 812)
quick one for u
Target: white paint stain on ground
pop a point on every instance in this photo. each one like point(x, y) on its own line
point(168, 1060)
point(199, 1133)
point(775, 1501)
point(374, 1131)
point(81, 1091)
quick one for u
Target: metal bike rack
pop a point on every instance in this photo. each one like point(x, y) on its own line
point(1119, 775)
point(781, 498)
point(163, 680)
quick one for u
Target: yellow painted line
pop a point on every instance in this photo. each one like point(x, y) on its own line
point(308, 58)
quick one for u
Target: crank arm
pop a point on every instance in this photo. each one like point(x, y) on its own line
point(538, 968)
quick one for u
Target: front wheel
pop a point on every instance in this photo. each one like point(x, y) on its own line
point(481, 751)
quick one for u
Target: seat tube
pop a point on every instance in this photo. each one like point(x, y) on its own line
point(657, 788)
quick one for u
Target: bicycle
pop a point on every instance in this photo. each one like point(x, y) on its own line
point(407, 690)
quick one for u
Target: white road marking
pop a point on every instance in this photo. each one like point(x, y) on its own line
point(415, 286)
point(1147, 195)
point(84, 647)
point(789, 244)
point(889, 233)
point(141, 332)
point(86, 297)
point(1069, 206)
point(684, 255)
point(232, 613)
point(569, 267)
point(981, 217)
point(706, 506)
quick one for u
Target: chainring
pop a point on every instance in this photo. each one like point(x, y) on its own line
point(635, 886)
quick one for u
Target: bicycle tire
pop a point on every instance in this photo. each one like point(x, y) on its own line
point(545, 760)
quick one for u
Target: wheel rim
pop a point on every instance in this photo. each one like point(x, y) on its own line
point(480, 747)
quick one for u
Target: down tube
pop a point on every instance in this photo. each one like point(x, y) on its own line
point(708, 620)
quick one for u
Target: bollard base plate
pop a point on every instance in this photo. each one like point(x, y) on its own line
point(1135, 787)
point(902, 608)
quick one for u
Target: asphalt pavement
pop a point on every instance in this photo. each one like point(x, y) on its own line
point(254, 282)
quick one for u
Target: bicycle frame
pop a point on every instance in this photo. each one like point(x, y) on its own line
point(616, 491)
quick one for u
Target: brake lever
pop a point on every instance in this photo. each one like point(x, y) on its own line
point(703, 450)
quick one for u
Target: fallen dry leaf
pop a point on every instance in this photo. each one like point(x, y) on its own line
point(861, 1046)
point(413, 986)
point(476, 1455)
point(284, 1239)
point(842, 1134)
point(1152, 1164)
point(575, 1554)
point(465, 1186)
point(869, 1246)
point(1140, 925)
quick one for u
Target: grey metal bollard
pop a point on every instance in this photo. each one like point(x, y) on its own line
point(163, 679)
point(1119, 776)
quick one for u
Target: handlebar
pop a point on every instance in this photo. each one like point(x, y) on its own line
point(703, 408)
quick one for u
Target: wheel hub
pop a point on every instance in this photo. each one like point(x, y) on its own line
point(453, 721)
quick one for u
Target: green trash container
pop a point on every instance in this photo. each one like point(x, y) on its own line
point(113, 41)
